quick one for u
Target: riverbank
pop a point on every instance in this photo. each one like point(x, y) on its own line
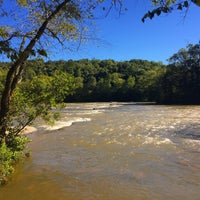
point(9, 158)
point(28, 130)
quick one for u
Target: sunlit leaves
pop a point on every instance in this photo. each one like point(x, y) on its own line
point(63, 84)
point(3, 32)
point(187, 56)
point(22, 2)
point(36, 97)
point(25, 2)
point(162, 2)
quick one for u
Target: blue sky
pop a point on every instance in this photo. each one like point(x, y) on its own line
point(126, 37)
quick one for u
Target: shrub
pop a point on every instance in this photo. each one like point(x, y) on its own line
point(9, 154)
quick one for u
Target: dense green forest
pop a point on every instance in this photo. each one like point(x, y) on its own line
point(105, 80)
point(134, 80)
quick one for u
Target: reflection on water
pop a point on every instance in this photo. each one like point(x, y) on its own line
point(113, 151)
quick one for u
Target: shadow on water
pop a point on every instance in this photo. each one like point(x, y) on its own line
point(191, 131)
point(137, 103)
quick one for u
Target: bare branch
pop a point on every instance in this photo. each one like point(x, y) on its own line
point(54, 35)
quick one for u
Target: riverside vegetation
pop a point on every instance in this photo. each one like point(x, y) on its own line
point(108, 80)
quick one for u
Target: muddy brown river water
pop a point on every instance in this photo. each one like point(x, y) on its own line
point(108, 151)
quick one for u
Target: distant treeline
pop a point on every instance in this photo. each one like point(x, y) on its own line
point(134, 80)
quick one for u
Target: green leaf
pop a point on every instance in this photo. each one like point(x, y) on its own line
point(165, 9)
point(42, 52)
point(179, 6)
point(158, 12)
point(3, 32)
point(186, 4)
point(22, 2)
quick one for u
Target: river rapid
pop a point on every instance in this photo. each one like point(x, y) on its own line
point(112, 151)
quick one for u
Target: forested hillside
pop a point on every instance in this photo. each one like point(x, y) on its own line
point(134, 80)
point(106, 80)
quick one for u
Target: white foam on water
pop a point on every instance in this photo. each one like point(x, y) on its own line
point(164, 141)
point(95, 107)
point(90, 112)
point(157, 140)
point(195, 144)
point(62, 124)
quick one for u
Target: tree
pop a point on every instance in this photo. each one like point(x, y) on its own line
point(189, 56)
point(34, 24)
point(181, 82)
point(167, 6)
point(30, 25)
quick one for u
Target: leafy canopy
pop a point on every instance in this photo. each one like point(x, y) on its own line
point(167, 6)
point(21, 20)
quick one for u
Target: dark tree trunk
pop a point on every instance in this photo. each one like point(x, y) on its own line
point(11, 82)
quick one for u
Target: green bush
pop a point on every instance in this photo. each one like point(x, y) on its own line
point(6, 162)
point(9, 154)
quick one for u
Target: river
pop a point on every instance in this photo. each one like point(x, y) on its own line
point(112, 151)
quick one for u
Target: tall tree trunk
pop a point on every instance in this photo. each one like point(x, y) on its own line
point(15, 72)
point(12, 80)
